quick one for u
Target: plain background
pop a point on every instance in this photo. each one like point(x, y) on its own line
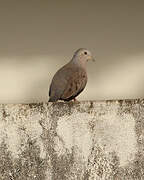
point(37, 37)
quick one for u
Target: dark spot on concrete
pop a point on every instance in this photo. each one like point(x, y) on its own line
point(38, 106)
point(91, 105)
point(120, 102)
point(5, 114)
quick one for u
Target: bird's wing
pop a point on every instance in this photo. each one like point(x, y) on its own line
point(59, 82)
point(75, 84)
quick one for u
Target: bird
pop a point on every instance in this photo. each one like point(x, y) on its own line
point(70, 80)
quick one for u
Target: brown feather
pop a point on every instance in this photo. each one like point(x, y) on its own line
point(76, 83)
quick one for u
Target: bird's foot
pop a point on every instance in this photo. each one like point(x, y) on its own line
point(75, 100)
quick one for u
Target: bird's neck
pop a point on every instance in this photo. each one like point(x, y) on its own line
point(79, 63)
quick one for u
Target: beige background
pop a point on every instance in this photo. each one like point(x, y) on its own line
point(38, 37)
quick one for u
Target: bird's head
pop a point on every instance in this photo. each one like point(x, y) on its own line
point(83, 55)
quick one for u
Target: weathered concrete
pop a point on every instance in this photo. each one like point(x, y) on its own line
point(65, 141)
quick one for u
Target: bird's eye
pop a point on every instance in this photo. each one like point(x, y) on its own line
point(85, 52)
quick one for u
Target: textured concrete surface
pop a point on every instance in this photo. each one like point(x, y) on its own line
point(101, 140)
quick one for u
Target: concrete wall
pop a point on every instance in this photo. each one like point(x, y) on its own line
point(66, 141)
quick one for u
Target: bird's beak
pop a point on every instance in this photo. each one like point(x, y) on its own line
point(91, 58)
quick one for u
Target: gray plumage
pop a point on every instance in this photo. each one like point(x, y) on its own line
point(71, 79)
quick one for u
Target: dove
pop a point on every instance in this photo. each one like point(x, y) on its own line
point(70, 80)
